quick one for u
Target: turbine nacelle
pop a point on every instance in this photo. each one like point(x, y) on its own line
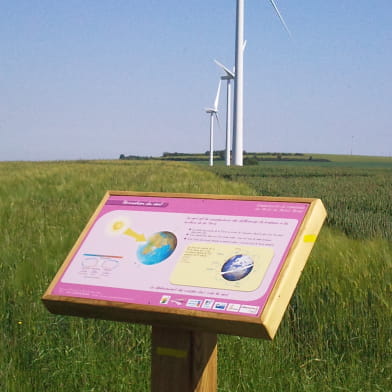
point(229, 74)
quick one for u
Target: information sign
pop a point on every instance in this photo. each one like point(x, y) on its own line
point(222, 264)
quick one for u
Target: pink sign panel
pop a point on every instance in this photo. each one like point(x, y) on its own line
point(213, 255)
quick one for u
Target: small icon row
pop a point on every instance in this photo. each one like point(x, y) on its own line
point(211, 304)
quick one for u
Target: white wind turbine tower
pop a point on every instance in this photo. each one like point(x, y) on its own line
point(213, 112)
point(239, 81)
point(228, 77)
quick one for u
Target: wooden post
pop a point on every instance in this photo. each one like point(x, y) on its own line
point(183, 361)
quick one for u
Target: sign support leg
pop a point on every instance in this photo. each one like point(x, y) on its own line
point(183, 361)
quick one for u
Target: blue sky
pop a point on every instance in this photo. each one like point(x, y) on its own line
point(92, 79)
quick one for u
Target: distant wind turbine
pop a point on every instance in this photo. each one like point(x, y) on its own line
point(228, 77)
point(239, 80)
point(213, 112)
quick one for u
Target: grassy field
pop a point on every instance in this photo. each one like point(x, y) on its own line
point(285, 159)
point(335, 336)
point(358, 198)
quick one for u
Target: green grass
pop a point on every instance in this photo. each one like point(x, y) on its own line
point(352, 159)
point(358, 200)
point(291, 159)
point(335, 336)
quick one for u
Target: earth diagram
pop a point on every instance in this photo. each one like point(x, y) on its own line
point(237, 267)
point(157, 248)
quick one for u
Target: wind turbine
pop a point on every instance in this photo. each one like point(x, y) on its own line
point(213, 112)
point(239, 80)
point(228, 77)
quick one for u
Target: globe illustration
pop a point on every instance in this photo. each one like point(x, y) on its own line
point(237, 267)
point(157, 248)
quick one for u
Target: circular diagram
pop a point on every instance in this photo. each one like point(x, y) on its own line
point(157, 248)
point(237, 267)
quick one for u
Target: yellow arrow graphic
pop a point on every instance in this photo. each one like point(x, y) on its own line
point(138, 237)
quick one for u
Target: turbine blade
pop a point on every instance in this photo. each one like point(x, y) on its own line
point(280, 17)
point(217, 119)
point(228, 72)
point(216, 102)
point(244, 45)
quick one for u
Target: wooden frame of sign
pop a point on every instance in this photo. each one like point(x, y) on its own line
point(199, 264)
